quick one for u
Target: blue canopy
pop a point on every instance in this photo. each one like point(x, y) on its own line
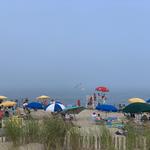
point(35, 105)
point(105, 107)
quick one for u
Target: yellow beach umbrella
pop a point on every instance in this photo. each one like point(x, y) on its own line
point(2, 97)
point(136, 100)
point(8, 104)
point(43, 97)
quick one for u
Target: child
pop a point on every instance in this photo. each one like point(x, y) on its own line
point(94, 116)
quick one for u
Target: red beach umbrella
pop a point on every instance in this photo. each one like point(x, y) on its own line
point(102, 89)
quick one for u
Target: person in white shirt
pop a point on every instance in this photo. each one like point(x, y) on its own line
point(94, 115)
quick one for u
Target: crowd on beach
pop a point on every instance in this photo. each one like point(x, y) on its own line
point(8, 111)
point(97, 116)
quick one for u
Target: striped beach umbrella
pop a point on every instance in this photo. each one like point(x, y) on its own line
point(55, 107)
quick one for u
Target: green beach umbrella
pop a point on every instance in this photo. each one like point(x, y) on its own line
point(137, 108)
point(74, 109)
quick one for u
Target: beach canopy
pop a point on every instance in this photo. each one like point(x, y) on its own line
point(8, 104)
point(74, 109)
point(35, 105)
point(55, 107)
point(2, 97)
point(137, 108)
point(102, 89)
point(107, 108)
point(136, 100)
point(43, 97)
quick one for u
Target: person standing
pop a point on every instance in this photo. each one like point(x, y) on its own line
point(78, 103)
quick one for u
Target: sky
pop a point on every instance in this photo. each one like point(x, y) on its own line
point(58, 44)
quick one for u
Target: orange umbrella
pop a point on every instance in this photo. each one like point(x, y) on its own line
point(8, 104)
point(43, 97)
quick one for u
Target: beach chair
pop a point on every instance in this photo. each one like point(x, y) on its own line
point(99, 121)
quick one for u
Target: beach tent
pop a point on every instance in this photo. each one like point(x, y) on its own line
point(55, 107)
point(35, 105)
point(137, 108)
point(107, 108)
point(8, 104)
point(74, 109)
point(136, 100)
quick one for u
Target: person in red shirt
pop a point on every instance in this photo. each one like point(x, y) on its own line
point(78, 103)
point(1, 113)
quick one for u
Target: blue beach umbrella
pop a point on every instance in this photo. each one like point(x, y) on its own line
point(58, 102)
point(55, 107)
point(35, 105)
point(148, 101)
point(107, 108)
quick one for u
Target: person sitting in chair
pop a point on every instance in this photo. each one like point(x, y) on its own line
point(98, 117)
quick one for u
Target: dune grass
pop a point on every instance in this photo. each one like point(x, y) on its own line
point(106, 139)
point(52, 133)
point(13, 132)
point(56, 134)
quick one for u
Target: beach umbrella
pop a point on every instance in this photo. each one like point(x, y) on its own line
point(2, 97)
point(102, 89)
point(35, 105)
point(136, 100)
point(43, 97)
point(148, 101)
point(55, 107)
point(106, 108)
point(74, 109)
point(8, 104)
point(137, 108)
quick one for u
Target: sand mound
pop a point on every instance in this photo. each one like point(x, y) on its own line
point(30, 146)
point(40, 114)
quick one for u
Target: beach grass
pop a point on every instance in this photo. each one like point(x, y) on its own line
point(54, 131)
point(14, 132)
point(106, 139)
point(56, 134)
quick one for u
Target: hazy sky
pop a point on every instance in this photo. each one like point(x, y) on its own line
point(60, 43)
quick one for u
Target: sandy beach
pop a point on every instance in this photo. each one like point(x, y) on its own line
point(82, 120)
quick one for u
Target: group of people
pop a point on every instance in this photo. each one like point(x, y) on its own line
point(143, 117)
point(94, 99)
point(7, 111)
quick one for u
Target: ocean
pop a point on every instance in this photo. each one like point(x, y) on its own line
point(69, 96)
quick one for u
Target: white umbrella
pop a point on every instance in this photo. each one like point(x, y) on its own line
point(55, 107)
